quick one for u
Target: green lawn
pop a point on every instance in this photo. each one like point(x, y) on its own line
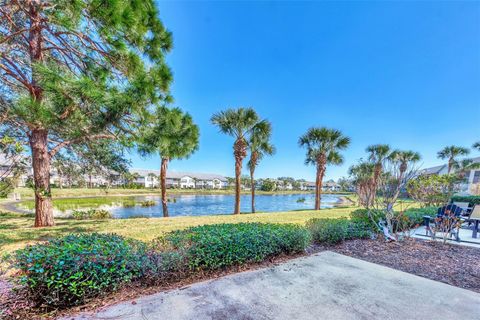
point(16, 230)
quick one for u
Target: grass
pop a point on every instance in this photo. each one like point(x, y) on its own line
point(16, 230)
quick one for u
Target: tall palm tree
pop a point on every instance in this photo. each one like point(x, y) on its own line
point(238, 123)
point(260, 146)
point(323, 146)
point(404, 158)
point(451, 153)
point(378, 153)
point(172, 134)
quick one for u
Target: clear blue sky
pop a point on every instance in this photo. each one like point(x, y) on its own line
point(402, 73)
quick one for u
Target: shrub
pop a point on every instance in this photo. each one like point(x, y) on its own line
point(91, 214)
point(415, 215)
point(70, 270)
point(370, 217)
point(212, 247)
point(147, 203)
point(472, 200)
point(333, 231)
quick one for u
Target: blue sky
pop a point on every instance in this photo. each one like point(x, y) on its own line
point(402, 73)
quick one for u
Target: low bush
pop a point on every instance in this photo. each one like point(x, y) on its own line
point(71, 270)
point(472, 200)
point(91, 214)
point(415, 215)
point(371, 217)
point(148, 203)
point(333, 231)
point(212, 247)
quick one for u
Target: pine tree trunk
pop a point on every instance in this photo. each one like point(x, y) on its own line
point(252, 182)
point(163, 178)
point(41, 177)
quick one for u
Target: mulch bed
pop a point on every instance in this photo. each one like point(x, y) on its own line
point(452, 264)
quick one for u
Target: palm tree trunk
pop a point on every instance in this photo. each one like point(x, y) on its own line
point(252, 182)
point(238, 171)
point(163, 178)
point(318, 187)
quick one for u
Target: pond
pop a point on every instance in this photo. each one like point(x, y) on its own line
point(187, 205)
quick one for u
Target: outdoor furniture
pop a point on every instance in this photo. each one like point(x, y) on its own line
point(445, 220)
point(474, 217)
point(464, 205)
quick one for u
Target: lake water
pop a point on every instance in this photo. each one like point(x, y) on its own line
point(193, 205)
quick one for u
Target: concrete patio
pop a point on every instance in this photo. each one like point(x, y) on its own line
point(465, 234)
point(322, 286)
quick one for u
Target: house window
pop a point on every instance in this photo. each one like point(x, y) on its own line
point(476, 177)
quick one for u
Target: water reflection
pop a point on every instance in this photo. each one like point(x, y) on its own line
point(194, 205)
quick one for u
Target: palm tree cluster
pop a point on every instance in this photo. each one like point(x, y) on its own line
point(371, 175)
point(251, 134)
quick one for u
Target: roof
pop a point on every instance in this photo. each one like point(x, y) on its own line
point(179, 175)
point(438, 169)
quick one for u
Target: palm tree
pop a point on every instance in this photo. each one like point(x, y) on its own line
point(238, 123)
point(378, 153)
point(476, 145)
point(260, 146)
point(451, 153)
point(362, 178)
point(323, 145)
point(174, 136)
point(463, 166)
point(404, 158)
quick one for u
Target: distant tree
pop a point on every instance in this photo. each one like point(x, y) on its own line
point(268, 185)
point(77, 71)
point(173, 135)
point(451, 153)
point(260, 146)
point(344, 184)
point(323, 146)
point(238, 123)
point(13, 164)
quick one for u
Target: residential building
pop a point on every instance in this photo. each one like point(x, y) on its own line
point(183, 180)
point(472, 177)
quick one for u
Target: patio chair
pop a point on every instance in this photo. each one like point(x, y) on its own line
point(465, 206)
point(446, 220)
point(474, 218)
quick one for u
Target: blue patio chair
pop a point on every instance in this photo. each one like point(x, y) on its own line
point(447, 218)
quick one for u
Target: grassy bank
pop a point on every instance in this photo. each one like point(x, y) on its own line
point(16, 230)
point(85, 192)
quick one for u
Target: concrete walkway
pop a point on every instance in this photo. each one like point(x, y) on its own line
point(323, 286)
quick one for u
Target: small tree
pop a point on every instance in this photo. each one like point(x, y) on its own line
point(433, 190)
point(260, 146)
point(362, 178)
point(476, 145)
point(378, 154)
point(323, 146)
point(173, 135)
point(238, 123)
point(451, 153)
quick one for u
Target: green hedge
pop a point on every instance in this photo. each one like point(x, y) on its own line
point(70, 270)
point(212, 247)
point(91, 214)
point(333, 231)
point(473, 200)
